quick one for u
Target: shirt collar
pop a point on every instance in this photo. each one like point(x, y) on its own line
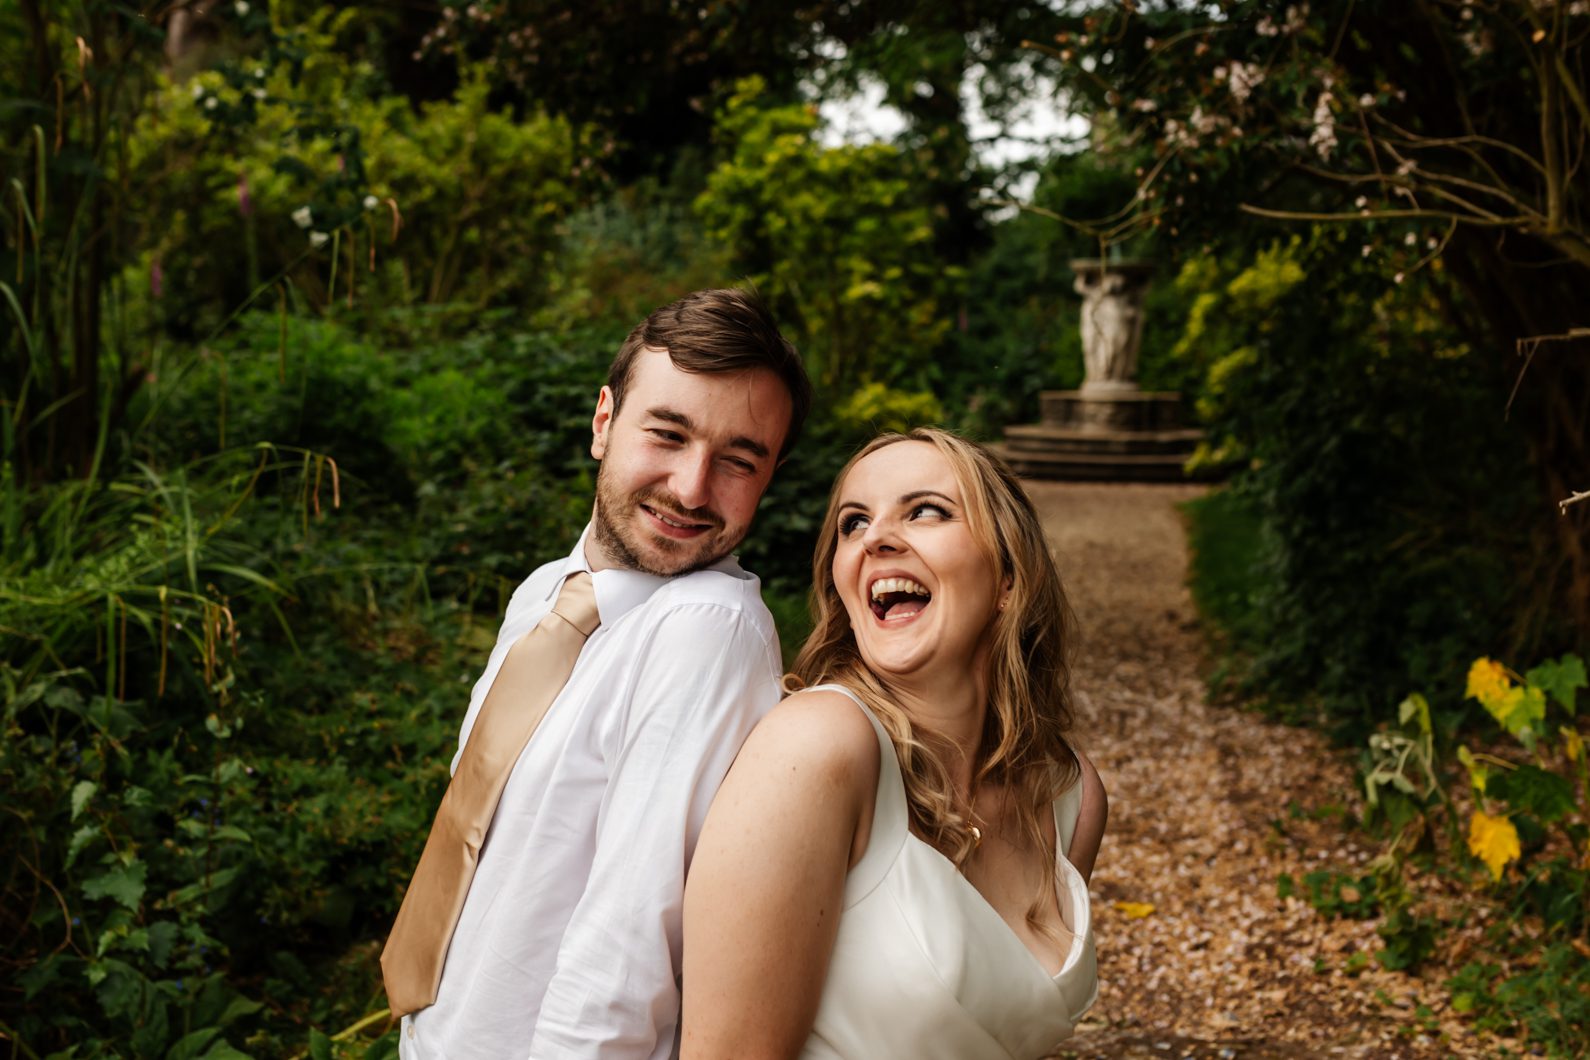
point(620, 590)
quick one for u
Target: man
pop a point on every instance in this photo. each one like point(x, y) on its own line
point(567, 942)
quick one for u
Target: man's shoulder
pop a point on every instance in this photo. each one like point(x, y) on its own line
point(727, 586)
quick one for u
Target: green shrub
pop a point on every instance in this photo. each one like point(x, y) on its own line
point(1391, 536)
point(839, 238)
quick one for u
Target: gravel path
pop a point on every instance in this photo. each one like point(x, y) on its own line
point(1208, 806)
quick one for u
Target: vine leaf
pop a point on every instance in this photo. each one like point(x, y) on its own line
point(1561, 679)
point(1493, 840)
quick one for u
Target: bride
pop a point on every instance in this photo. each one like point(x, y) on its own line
point(897, 863)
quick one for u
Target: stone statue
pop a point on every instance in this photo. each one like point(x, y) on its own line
point(1112, 321)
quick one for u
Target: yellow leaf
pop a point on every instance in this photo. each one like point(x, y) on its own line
point(1493, 840)
point(1488, 682)
point(1134, 910)
point(1572, 743)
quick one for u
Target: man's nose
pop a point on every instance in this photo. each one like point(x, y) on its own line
point(692, 479)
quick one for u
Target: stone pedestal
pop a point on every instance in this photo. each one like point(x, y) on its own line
point(1109, 429)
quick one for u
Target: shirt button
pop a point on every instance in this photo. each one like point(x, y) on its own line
point(411, 1029)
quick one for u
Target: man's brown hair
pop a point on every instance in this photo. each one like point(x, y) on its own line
point(721, 330)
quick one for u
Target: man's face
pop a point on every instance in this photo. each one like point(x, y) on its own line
point(684, 463)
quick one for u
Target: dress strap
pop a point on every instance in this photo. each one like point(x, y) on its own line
point(891, 821)
point(1067, 810)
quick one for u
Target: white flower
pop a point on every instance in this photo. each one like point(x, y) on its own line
point(258, 93)
point(1323, 138)
point(241, 7)
point(1397, 278)
point(1177, 135)
point(318, 239)
point(1202, 123)
point(1361, 202)
point(259, 73)
point(1431, 242)
point(1410, 239)
point(1267, 27)
point(1149, 42)
point(1366, 100)
point(1244, 78)
point(210, 103)
point(371, 202)
point(302, 217)
point(1366, 249)
point(198, 89)
point(1296, 15)
point(1145, 106)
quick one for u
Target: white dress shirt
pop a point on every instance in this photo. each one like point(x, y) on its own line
point(568, 946)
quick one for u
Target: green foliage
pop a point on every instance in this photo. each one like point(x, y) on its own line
point(1333, 893)
point(1531, 815)
point(876, 407)
point(1391, 544)
point(1225, 543)
point(1549, 1000)
point(840, 239)
point(1410, 940)
point(289, 161)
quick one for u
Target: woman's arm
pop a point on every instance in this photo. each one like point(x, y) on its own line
point(766, 886)
point(1090, 820)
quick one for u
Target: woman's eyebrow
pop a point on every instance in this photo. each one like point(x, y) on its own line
point(916, 495)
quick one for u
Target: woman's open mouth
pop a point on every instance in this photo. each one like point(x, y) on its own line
point(899, 599)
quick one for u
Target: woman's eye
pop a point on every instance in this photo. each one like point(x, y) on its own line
point(849, 524)
point(932, 509)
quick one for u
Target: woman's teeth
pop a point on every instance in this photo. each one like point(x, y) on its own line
point(899, 585)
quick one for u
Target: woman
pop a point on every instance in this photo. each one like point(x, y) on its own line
point(908, 878)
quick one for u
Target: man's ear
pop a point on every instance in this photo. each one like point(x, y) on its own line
point(601, 422)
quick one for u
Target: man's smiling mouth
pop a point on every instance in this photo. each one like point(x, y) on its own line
point(674, 521)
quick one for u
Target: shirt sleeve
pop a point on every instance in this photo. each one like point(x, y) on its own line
point(706, 676)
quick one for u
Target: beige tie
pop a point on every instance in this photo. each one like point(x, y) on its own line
point(534, 672)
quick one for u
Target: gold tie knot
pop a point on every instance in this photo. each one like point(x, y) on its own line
point(576, 603)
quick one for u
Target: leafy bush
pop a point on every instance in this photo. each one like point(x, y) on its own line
point(840, 239)
point(287, 160)
point(1391, 539)
point(1528, 825)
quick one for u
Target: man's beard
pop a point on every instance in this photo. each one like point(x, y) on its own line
point(626, 545)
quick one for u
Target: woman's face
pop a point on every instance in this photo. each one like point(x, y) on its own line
point(920, 593)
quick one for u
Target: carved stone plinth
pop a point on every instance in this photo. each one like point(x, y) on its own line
point(1109, 429)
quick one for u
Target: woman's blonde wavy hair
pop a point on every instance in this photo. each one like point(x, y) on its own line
point(1024, 745)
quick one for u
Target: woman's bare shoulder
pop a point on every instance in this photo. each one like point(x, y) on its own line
point(822, 729)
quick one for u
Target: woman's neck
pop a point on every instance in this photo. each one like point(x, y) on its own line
point(954, 709)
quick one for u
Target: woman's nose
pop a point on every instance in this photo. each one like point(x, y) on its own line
point(880, 537)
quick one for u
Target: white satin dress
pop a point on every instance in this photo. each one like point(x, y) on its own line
point(925, 968)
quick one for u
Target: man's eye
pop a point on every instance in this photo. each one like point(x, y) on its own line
point(667, 436)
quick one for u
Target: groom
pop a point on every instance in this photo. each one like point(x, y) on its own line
point(566, 938)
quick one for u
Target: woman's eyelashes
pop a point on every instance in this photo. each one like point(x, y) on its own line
point(853, 521)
